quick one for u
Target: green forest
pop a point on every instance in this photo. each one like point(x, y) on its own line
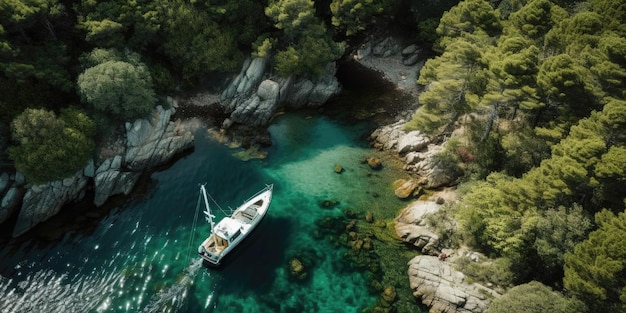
point(535, 88)
point(538, 88)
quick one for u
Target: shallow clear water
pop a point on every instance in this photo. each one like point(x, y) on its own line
point(141, 257)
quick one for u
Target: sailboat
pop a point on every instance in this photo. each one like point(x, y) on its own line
point(233, 229)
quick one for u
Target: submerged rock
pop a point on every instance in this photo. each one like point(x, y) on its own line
point(374, 163)
point(297, 269)
point(328, 204)
point(338, 168)
point(404, 188)
point(389, 294)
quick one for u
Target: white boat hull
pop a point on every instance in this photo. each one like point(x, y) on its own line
point(232, 230)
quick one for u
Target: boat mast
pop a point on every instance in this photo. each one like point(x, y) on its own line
point(207, 211)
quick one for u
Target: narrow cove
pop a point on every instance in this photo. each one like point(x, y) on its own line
point(137, 257)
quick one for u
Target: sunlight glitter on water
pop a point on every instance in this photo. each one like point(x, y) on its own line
point(47, 291)
point(138, 258)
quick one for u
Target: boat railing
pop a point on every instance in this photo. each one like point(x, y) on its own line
point(267, 187)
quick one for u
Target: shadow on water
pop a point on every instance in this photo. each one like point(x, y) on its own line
point(252, 266)
point(254, 263)
point(366, 96)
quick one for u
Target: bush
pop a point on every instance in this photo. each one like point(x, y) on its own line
point(495, 271)
point(50, 148)
point(121, 89)
point(535, 297)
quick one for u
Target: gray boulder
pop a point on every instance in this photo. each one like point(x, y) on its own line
point(416, 212)
point(388, 136)
point(296, 94)
point(409, 50)
point(386, 47)
point(436, 172)
point(418, 154)
point(152, 142)
point(111, 179)
point(325, 87)
point(311, 93)
point(10, 202)
point(44, 201)
point(413, 141)
point(443, 289)
point(411, 227)
point(411, 60)
point(243, 85)
point(4, 181)
point(258, 109)
point(11, 193)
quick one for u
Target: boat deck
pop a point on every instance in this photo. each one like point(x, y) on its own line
point(248, 214)
point(214, 244)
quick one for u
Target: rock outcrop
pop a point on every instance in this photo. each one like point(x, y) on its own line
point(419, 154)
point(400, 63)
point(154, 141)
point(149, 143)
point(311, 93)
point(411, 227)
point(405, 188)
point(259, 108)
point(251, 100)
point(112, 179)
point(44, 201)
point(11, 193)
point(443, 289)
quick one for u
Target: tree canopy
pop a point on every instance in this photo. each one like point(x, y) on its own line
point(538, 92)
point(50, 147)
point(534, 297)
point(535, 88)
point(308, 46)
point(117, 88)
point(594, 271)
point(114, 59)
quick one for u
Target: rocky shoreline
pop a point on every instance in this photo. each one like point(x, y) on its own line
point(246, 105)
point(431, 272)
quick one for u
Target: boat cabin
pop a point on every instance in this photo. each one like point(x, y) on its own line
point(228, 229)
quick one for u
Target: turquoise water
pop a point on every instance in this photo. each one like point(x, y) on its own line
point(141, 256)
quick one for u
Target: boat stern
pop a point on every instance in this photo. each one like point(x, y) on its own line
point(209, 258)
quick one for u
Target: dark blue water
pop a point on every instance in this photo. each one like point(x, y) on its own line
point(141, 256)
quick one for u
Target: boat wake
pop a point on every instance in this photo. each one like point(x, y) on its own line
point(175, 298)
point(47, 291)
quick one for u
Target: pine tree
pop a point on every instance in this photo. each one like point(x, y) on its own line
point(595, 271)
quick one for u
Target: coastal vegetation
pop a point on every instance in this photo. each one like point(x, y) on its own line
point(535, 88)
point(115, 60)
